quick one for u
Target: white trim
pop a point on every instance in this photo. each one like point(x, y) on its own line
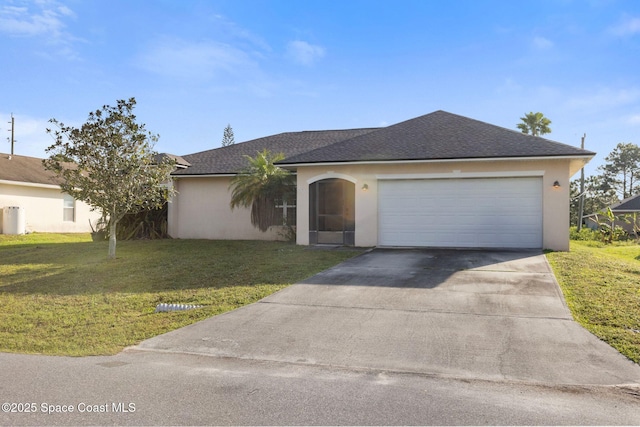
point(212, 175)
point(332, 174)
point(29, 184)
point(452, 175)
point(221, 175)
point(393, 162)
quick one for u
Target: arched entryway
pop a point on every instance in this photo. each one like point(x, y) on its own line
point(332, 212)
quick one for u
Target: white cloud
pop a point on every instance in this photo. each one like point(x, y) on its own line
point(230, 30)
point(634, 120)
point(604, 98)
point(24, 21)
point(304, 53)
point(39, 18)
point(193, 60)
point(509, 85)
point(629, 25)
point(541, 43)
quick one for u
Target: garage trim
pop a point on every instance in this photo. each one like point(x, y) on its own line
point(456, 174)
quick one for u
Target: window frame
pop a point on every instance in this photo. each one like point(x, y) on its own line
point(68, 208)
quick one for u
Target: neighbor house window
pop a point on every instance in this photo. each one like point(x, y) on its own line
point(69, 208)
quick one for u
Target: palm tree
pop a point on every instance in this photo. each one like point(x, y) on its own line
point(534, 123)
point(259, 186)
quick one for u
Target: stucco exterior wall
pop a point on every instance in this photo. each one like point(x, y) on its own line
point(43, 206)
point(555, 200)
point(201, 210)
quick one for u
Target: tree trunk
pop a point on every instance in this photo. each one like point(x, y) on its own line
point(112, 239)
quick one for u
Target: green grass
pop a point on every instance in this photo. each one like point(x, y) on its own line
point(60, 294)
point(601, 284)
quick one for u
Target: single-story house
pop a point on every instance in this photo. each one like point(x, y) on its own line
point(31, 193)
point(630, 205)
point(438, 180)
point(625, 208)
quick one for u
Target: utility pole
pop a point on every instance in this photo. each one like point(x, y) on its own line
point(581, 208)
point(12, 122)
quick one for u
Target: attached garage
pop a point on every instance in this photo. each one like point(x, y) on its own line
point(438, 180)
point(466, 213)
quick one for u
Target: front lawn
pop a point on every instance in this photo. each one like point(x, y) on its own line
point(601, 284)
point(61, 295)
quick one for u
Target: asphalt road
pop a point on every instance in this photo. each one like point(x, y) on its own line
point(388, 338)
point(177, 389)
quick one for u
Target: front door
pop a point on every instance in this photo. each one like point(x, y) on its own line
point(332, 212)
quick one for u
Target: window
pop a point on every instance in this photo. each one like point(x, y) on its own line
point(285, 212)
point(69, 208)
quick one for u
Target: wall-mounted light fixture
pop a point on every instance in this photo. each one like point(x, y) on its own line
point(556, 184)
point(365, 187)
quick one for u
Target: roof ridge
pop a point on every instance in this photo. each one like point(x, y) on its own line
point(281, 134)
point(438, 135)
point(342, 141)
point(20, 155)
point(510, 130)
point(340, 130)
point(406, 141)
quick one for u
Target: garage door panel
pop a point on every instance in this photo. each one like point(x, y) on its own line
point(461, 213)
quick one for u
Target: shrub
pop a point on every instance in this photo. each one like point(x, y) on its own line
point(585, 234)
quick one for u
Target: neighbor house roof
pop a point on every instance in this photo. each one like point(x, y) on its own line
point(436, 136)
point(25, 169)
point(231, 159)
point(180, 162)
point(631, 204)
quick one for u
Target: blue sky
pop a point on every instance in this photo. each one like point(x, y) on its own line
point(267, 67)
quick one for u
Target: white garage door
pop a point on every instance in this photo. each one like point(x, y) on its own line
point(480, 213)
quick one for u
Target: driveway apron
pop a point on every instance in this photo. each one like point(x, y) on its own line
point(494, 315)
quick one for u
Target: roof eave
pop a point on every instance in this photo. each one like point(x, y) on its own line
point(207, 175)
point(29, 184)
point(203, 175)
point(582, 160)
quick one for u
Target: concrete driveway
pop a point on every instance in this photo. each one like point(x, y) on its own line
point(493, 315)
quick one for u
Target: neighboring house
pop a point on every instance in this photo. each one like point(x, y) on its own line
point(25, 183)
point(439, 180)
point(625, 208)
point(629, 205)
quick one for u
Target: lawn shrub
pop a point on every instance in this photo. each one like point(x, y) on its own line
point(585, 234)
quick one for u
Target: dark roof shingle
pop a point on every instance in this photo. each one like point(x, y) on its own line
point(629, 204)
point(437, 136)
point(25, 169)
point(230, 159)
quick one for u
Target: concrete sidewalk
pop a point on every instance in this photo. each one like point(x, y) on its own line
point(494, 315)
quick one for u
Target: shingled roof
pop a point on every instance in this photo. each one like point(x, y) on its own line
point(230, 159)
point(437, 136)
point(25, 169)
point(630, 204)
